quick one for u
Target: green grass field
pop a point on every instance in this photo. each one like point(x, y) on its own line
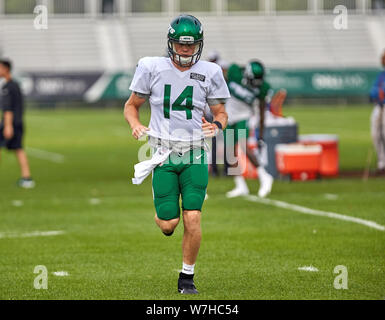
point(112, 249)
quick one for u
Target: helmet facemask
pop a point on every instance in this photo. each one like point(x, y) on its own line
point(253, 75)
point(180, 59)
point(252, 82)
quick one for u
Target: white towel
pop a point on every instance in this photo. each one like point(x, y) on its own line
point(144, 168)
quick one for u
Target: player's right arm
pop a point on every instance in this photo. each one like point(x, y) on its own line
point(377, 94)
point(140, 88)
point(8, 125)
point(8, 114)
point(376, 91)
point(131, 114)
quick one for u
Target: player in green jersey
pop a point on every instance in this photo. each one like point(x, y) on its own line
point(249, 92)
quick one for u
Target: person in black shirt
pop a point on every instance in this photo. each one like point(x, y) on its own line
point(11, 125)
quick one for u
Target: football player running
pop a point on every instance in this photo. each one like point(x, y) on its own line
point(178, 88)
point(247, 88)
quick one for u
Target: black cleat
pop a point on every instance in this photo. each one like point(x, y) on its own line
point(168, 234)
point(186, 285)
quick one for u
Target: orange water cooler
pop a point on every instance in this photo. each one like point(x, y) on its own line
point(329, 164)
point(298, 161)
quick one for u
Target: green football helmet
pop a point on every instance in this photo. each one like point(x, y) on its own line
point(185, 29)
point(253, 74)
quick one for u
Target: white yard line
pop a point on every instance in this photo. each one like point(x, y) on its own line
point(308, 268)
point(297, 208)
point(17, 203)
point(94, 201)
point(61, 273)
point(330, 196)
point(45, 155)
point(4, 235)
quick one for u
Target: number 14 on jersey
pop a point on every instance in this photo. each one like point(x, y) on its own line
point(187, 94)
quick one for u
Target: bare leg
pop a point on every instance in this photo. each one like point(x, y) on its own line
point(190, 247)
point(240, 182)
point(266, 180)
point(23, 163)
point(167, 226)
point(251, 155)
point(192, 235)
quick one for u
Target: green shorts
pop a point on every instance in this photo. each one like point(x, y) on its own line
point(238, 133)
point(185, 176)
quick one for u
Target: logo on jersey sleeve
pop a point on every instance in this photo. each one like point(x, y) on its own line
point(197, 76)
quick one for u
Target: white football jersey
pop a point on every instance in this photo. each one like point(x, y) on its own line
point(177, 98)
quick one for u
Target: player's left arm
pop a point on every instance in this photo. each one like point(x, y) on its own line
point(264, 98)
point(211, 129)
point(220, 115)
point(262, 108)
point(216, 98)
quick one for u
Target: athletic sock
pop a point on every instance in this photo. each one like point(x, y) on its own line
point(262, 172)
point(188, 269)
point(240, 183)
